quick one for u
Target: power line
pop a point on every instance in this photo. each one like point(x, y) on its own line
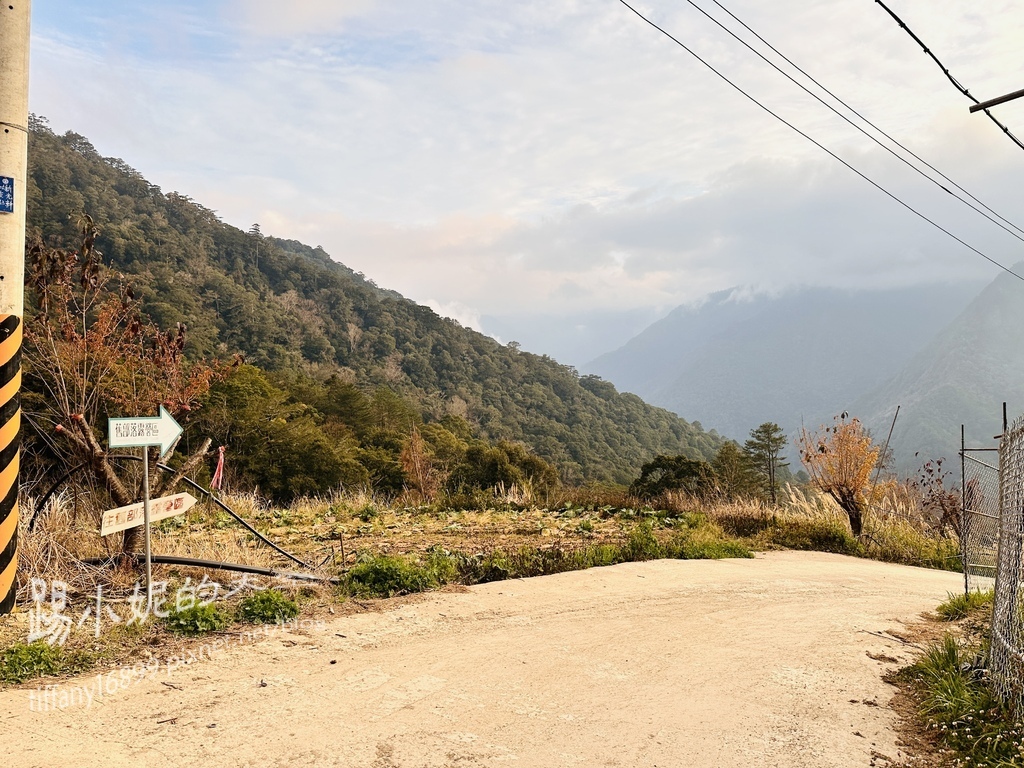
point(862, 117)
point(956, 83)
point(820, 146)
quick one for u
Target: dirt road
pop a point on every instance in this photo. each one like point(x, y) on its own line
point(672, 663)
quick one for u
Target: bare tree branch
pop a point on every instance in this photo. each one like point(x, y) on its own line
point(190, 465)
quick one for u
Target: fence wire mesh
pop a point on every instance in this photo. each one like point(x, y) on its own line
point(1007, 655)
point(979, 524)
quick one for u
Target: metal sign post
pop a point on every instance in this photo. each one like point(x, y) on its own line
point(147, 527)
point(145, 432)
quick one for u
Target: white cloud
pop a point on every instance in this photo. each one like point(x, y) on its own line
point(457, 311)
point(764, 224)
point(272, 18)
point(560, 156)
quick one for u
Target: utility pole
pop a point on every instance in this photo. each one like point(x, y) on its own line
point(15, 18)
point(996, 101)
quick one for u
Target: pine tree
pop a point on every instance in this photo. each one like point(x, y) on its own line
point(764, 450)
point(736, 475)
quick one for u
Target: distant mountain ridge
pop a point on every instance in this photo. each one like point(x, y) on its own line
point(735, 361)
point(286, 305)
point(574, 338)
point(962, 376)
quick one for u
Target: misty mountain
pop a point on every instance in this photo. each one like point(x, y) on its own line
point(962, 376)
point(735, 360)
point(575, 338)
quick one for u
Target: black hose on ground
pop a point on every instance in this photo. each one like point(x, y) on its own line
point(238, 518)
point(192, 562)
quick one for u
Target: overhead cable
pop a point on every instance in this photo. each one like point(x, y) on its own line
point(816, 143)
point(1018, 233)
point(956, 83)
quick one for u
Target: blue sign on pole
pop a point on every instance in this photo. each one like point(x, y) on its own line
point(6, 194)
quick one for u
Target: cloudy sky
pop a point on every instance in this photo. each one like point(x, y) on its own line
point(552, 163)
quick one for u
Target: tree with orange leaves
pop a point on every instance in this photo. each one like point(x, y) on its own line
point(840, 460)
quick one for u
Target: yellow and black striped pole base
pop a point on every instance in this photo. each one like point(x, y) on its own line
point(10, 443)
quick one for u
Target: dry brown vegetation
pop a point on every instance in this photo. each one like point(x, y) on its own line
point(334, 533)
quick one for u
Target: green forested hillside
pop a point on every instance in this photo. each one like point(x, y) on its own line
point(288, 307)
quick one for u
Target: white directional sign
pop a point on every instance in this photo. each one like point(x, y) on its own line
point(119, 519)
point(142, 431)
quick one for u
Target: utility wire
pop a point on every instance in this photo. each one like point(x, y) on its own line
point(820, 146)
point(862, 117)
point(956, 83)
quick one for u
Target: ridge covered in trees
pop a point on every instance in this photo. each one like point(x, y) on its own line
point(307, 324)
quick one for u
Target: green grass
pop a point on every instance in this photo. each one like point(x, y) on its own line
point(641, 545)
point(960, 606)
point(957, 703)
point(268, 606)
point(887, 539)
point(196, 619)
point(695, 538)
point(787, 531)
point(704, 541)
point(817, 535)
point(388, 576)
point(24, 661)
point(697, 549)
point(897, 541)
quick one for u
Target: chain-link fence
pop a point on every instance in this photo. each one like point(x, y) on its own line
point(979, 522)
point(1007, 655)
